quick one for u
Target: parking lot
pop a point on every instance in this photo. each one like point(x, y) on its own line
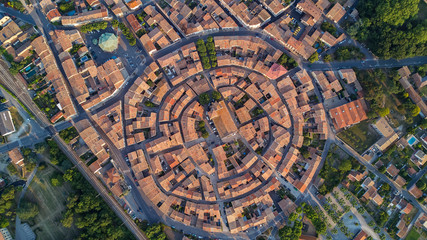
point(131, 56)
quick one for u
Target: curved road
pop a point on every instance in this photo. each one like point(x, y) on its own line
point(37, 17)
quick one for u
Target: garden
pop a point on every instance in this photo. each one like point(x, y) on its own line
point(360, 136)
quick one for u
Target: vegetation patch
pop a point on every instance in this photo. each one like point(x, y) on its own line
point(345, 53)
point(336, 167)
point(68, 134)
point(360, 136)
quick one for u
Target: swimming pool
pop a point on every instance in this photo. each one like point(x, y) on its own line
point(412, 140)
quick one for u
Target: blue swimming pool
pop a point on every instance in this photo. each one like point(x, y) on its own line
point(412, 140)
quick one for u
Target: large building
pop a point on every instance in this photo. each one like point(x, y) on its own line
point(222, 119)
point(348, 114)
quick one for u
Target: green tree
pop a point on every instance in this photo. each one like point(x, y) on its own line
point(327, 58)
point(421, 185)
point(216, 95)
point(27, 210)
point(345, 165)
point(293, 217)
point(384, 112)
point(204, 98)
point(395, 12)
point(115, 23)
point(314, 57)
point(415, 111)
point(68, 219)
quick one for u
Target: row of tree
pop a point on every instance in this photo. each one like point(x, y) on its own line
point(94, 26)
point(127, 33)
point(207, 52)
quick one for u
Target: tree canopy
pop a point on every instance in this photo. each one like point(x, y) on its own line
point(27, 210)
point(396, 12)
point(390, 28)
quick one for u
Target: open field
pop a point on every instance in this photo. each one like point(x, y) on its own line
point(413, 235)
point(360, 136)
point(51, 202)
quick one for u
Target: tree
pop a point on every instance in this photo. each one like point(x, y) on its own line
point(41, 147)
point(56, 179)
point(314, 57)
point(395, 12)
point(415, 111)
point(115, 23)
point(68, 219)
point(327, 58)
point(421, 185)
point(12, 170)
point(216, 95)
point(27, 210)
point(382, 169)
point(345, 165)
point(204, 98)
point(293, 217)
point(384, 112)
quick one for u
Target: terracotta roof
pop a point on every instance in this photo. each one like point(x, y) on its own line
point(348, 114)
point(53, 15)
point(336, 13)
point(276, 71)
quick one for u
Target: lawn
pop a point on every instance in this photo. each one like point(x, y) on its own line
point(51, 202)
point(413, 235)
point(360, 136)
point(16, 117)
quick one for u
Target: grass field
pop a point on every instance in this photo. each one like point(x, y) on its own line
point(360, 136)
point(413, 235)
point(51, 202)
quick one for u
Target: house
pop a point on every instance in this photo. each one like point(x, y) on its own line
point(389, 136)
point(17, 160)
point(6, 124)
point(372, 195)
point(392, 170)
point(356, 175)
point(400, 181)
point(336, 13)
point(347, 75)
point(312, 12)
point(403, 229)
point(418, 81)
point(349, 114)
point(9, 33)
point(404, 206)
point(275, 71)
point(134, 4)
point(367, 183)
point(420, 157)
point(54, 15)
point(415, 191)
